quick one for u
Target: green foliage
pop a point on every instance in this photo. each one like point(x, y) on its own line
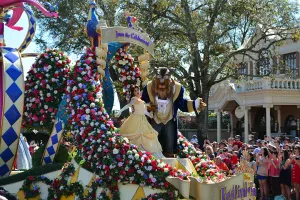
point(37, 156)
point(62, 156)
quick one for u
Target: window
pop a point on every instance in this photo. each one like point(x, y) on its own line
point(290, 62)
point(263, 64)
point(291, 125)
point(242, 70)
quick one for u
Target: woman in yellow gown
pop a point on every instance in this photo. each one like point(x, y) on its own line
point(137, 128)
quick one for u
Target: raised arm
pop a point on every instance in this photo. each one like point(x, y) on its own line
point(132, 102)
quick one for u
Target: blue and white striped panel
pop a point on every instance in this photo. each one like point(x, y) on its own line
point(53, 142)
point(13, 100)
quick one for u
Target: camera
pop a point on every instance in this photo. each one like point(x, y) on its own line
point(297, 158)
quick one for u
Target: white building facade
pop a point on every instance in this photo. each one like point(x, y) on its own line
point(258, 104)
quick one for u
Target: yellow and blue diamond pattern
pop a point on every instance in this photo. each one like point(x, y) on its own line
point(53, 142)
point(56, 135)
point(12, 107)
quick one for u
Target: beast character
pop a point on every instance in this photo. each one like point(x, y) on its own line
point(165, 97)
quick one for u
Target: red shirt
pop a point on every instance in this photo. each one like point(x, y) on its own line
point(295, 173)
point(234, 159)
point(274, 172)
point(238, 143)
point(223, 166)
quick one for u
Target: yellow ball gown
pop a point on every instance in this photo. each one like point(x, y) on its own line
point(139, 132)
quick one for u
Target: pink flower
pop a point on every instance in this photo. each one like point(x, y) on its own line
point(42, 111)
point(35, 118)
point(37, 101)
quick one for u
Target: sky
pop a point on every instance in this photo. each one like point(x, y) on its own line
point(15, 38)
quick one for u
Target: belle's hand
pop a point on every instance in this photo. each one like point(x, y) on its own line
point(151, 107)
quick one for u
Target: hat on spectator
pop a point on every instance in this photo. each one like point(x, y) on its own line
point(259, 141)
point(237, 137)
point(256, 151)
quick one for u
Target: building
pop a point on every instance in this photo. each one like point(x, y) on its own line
point(258, 104)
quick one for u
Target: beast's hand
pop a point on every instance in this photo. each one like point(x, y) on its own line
point(151, 108)
point(200, 105)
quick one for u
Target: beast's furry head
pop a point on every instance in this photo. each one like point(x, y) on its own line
point(162, 84)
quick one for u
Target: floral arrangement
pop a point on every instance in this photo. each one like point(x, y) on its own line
point(129, 74)
point(60, 186)
point(110, 191)
point(206, 168)
point(106, 153)
point(170, 195)
point(4, 192)
point(44, 88)
point(31, 191)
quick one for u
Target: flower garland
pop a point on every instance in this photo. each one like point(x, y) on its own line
point(44, 88)
point(206, 168)
point(60, 186)
point(110, 191)
point(105, 152)
point(129, 74)
point(170, 195)
point(30, 190)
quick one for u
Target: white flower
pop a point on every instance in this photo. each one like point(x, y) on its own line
point(74, 88)
point(92, 105)
point(166, 170)
point(115, 151)
point(129, 152)
point(46, 107)
point(48, 94)
point(126, 140)
point(136, 156)
point(87, 111)
point(55, 91)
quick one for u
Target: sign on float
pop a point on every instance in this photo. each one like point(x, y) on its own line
point(127, 35)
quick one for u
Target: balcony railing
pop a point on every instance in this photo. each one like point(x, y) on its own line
point(259, 84)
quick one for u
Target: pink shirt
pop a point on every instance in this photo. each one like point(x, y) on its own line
point(273, 172)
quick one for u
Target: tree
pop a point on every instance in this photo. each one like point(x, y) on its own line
point(201, 39)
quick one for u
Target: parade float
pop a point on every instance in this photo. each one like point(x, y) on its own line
point(76, 102)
